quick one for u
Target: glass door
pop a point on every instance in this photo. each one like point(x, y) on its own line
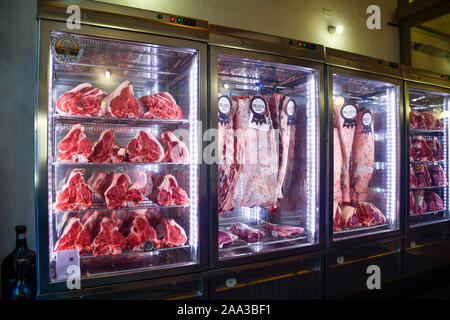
point(428, 110)
point(122, 163)
point(267, 169)
point(366, 153)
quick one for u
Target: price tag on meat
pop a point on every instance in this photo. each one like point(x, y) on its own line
point(290, 110)
point(258, 119)
point(66, 260)
point(366, 120)
point(349, 113)
point(224, 106)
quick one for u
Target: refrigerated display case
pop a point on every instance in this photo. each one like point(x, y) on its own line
point(364, 119)
point(427, 96)
point(365, 179)
point(118, 137)
point(266, 106)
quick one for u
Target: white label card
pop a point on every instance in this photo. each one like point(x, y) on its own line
point(66, 259)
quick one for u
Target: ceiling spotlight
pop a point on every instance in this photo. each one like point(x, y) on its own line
point(333, 29)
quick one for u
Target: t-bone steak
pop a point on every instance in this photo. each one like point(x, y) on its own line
point(121, 103)
point(74, 147)
point(121, 193)
point(160, 106)
point(69, 235)
point(175, 150)
point(166, 191)
point(99, 182)
point(109, 240)
point(145, 148)
point(170, 234)
point(137, 231)
point(102, 149)
point(75, 194)
point(83, 100)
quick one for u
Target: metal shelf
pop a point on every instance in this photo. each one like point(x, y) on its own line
point(139, 121)
point(360, 229)
point(128, 253)
point(119, 165)
point(424, 131)
point(426, 213)
point(428, 188)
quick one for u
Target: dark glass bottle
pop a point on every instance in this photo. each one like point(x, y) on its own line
point(19, 288)
point(10, 265)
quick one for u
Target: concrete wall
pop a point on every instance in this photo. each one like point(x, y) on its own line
point(17, 103)
point(298, 19)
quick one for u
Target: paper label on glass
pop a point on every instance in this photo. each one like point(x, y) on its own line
point(67, 264)
point(67, 48)
point(258, 118)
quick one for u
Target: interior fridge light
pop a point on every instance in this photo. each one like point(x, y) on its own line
point(193, 146)
point(446, 148)
point(311, 151)
point(391, 133)
point(107, 74)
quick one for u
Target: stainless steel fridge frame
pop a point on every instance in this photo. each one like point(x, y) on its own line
point(356, 65)
point(257, 46)
point(430, 81)
point(124, 23)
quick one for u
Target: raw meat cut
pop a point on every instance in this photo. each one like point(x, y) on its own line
point(145, 148)
point(278, 112)
point(121, 103)
point(257, 151)
point(412, 151)
point(175, 150)
point(76, 193)
point(142, 180)
point(83, 100)
point(118, 154)
point(434, 202)
point(137, 231)
point(363, 155)
point(102, 149)
point(346, 134)
point(416, 120)
point(413, 181)
point(420, 204)
point(337, 170)
point(423, 177)
point(347, 217)
point(247, 233)
point(437, 175)
point(166, 191)
point(421, 149)
point(412, 203)
point(121, 193)
point(91, 227)
point(69, 235)
point(282, 231)
point(160, 106)
point(98, 183)
point(228, 166)
point(432, 122)
point(226, 239)
point(368, 214)
point(109, 240)
point(170, 234)
point(74, 147)
point(436, 149)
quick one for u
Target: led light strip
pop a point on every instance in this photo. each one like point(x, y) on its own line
point(311, 152)
point(446, 148)
point(193, 144)
point(391, 134)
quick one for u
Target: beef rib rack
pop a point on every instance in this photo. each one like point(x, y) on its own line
point(102, 149)
point(83, 100)
point(160, 106)
point(175, 150)
point(75, 194)
point(121, 193)
point(145, 148)
point(74, 147)
point(121, 103)
point(170, 234)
